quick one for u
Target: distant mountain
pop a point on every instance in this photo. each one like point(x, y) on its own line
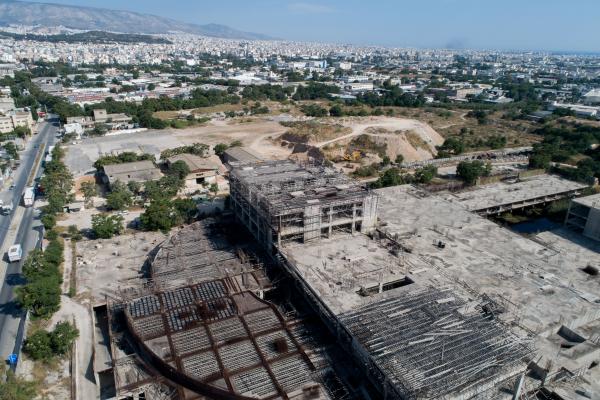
point(99, 19)
point(90, 37)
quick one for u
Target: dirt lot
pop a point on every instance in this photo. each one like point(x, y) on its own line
point(450, 123)
point(413, 139)
point(252, 132)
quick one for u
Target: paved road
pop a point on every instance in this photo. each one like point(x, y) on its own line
point(28, 234)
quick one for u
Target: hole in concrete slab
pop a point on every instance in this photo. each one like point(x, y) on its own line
point(590, 270)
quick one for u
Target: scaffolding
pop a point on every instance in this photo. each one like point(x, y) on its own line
point(281, 201)
point(213, 336)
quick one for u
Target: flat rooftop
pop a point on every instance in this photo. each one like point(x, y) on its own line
point(503, 193)
point(592, 201)
point(538, 284)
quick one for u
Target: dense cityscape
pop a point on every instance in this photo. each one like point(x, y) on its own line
point(204, 213)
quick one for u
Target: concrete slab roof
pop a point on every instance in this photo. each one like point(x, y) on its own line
point(502, 193)
point(592, 201)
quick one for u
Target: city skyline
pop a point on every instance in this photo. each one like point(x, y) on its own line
point(466, 24)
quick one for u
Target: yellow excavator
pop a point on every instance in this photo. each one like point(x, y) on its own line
point(354, 156)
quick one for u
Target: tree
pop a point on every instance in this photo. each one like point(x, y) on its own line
point(119, 197)
point(41, 297)
point(391, 177)
point(214, 188)
point(38, 346)
point(151, 86)
point(43, 345)
point(105, 226)
point(220, 149)
point(160, 215)
point(11, 150)
point(48, 220)
point(426, 174)
point(386, 161)
point(89, 190)
point(336, 111)
point(469, 171)
point(62, 337)
point(179, 169)
point(186, 209)
point(399, 159)
point(100, 129)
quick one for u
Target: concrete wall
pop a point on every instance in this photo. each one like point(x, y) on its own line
point(592, 226)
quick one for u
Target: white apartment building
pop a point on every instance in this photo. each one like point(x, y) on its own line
point(12, 119)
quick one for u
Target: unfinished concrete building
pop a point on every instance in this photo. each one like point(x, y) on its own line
point(584, 216)
point(199, 329)
point(282, 201)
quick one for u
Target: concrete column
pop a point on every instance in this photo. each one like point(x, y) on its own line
point(353, 218)
point(330, 222)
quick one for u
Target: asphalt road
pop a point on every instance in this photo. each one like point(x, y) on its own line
point(28, 235)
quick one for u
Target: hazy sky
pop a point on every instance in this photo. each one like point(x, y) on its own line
point(569, 25)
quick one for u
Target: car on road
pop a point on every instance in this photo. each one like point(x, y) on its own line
point(7, 208)
point(11, 187)
point(15, 253)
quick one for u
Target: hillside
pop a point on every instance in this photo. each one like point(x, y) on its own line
point(90, 37)
point(99, 19)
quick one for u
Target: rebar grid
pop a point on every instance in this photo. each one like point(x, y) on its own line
point(428, 345)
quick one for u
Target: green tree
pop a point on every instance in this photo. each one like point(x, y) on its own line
point(48, 220)
point(119, 197)
point(41, 297)
point(426, 174)
point(385, 161)
point(89, 190)
point(391, 177)
point(106, 226)
point(151, 86)
point(220, 149)
point(11, 150)
point(399, 159)
point(62, 337)
point(214, 188)
point(160, 215)
point(179, 169)
point(134, 187)
point(38, 346)
point(186, 209)
point(336, 111)
point(469, 171)
point(99, 129)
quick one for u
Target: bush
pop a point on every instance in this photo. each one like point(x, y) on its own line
point(49, 221)
point(105, 226)
point(74, 233)
point(38, 346)
point(313, 110)
point(160, 215)
point(44, 346)
point(119, 197)
point(426, 174)
point(469, 171)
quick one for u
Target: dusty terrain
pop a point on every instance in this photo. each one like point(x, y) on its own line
point(256, 134)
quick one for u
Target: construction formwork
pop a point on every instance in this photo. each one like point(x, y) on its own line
point(212, 337)
point(280, 201)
